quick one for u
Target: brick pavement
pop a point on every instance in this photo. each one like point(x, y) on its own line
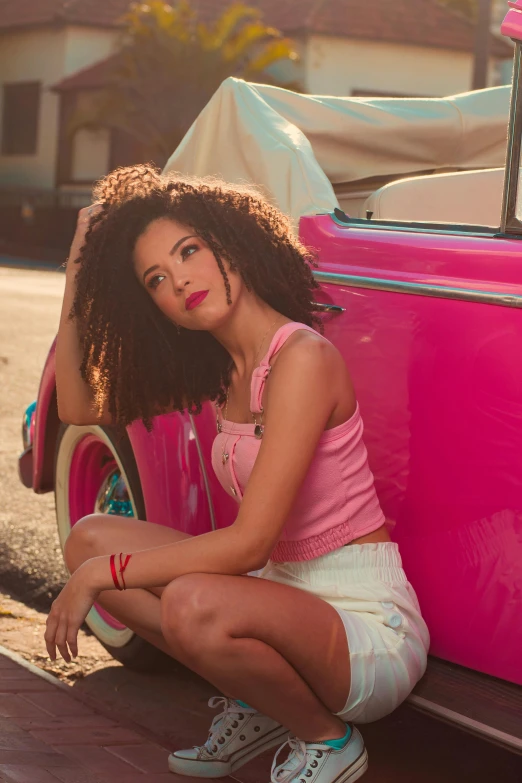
point(47, 736)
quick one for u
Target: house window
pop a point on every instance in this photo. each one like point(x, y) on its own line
point(21, 106)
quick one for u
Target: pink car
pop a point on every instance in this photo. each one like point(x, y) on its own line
point(428, 317)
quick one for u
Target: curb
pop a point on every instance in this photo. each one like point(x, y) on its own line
point(101, 709)
point(16, 658)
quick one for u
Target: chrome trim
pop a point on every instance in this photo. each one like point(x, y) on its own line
point(511, 176)
point(381, 224)
point(113, 496)
point(204, 471)
point(466, 723)
point(421, 289)
point(27, 421)
point(323, 307)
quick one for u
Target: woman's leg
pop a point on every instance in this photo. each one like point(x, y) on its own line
point(278, 648)
point(103, 534)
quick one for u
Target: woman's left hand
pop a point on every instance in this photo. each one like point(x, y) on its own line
point(67, 614)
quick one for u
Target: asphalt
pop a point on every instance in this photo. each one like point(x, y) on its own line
point(30, 558)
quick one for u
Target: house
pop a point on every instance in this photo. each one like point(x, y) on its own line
point(54, 55)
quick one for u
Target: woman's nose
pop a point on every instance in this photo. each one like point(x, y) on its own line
point(181, 281)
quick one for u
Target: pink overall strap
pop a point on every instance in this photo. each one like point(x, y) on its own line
point(262, 372)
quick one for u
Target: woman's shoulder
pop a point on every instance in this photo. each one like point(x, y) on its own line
point(306, 352)
point(312, 372)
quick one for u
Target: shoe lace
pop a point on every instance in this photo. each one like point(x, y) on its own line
point(299, 758)
point(226, 719)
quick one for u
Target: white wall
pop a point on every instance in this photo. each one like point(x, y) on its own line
point(90, 155)
point(33, 56)
point(336, 66)
point(46, 56)
point(84, 46)
point(91, 148)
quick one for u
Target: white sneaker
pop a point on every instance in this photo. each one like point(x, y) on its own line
point(314, 762)
point(236, 735)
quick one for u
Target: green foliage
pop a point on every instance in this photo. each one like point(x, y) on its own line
point(170, 64)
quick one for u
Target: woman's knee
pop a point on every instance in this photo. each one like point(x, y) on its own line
point(190, 614)
point(82, 541)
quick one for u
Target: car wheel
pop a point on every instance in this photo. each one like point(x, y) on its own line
point(95, 472)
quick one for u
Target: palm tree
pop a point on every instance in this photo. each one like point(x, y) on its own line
point(169, 64)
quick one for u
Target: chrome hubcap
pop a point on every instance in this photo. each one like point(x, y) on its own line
point(113, 497)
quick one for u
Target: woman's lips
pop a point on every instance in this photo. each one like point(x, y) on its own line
point(195, 299)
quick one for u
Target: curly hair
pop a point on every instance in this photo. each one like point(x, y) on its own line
point(133, 357)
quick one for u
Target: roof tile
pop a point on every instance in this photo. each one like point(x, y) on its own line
point(417, 22)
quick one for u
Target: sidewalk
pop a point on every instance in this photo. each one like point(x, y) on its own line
point(47, 735)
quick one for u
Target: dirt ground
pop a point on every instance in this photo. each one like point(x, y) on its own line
point(22, 631)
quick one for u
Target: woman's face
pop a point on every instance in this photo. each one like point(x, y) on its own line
point(180, 273)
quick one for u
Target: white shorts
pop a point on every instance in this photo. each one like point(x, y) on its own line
point(387, 638)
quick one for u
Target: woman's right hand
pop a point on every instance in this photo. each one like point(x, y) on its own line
point(85, 216)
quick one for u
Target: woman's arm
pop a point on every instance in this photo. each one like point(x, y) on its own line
point(75, 398)
point(305, 386)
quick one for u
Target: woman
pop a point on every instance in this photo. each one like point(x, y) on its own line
point(188, 290)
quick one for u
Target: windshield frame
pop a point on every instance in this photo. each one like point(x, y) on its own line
point(509, 223)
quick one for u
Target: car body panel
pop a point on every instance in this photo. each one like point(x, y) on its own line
point(171, 474)
point(440, 391)
point(45, 427)
point(441, 396)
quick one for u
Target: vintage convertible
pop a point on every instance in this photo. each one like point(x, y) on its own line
point(418, 229)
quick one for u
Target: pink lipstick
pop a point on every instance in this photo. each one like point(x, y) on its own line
point(194, 299)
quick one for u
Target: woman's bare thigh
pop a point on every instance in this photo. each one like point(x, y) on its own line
point(303, 628)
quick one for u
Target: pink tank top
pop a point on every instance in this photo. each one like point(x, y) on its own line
point(337, 502)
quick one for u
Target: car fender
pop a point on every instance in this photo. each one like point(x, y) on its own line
point(173, 473)
point(173, 469)
point(46, 427)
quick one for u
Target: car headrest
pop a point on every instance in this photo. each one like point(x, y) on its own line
point(467, 197)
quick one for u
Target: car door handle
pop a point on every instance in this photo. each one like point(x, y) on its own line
point(328, 308)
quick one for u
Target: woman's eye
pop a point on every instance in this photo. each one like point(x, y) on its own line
point(154, 282)
point(188, 250)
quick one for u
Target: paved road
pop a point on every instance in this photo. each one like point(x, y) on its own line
point(406, 747)
point(29, 312)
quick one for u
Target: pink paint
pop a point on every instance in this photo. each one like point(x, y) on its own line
point(225, 507)
point(90, 466)
point(440, 389)
point(439, 383)
point(45, 399)
point(171, 475)
point(512, 24)
point(441, 398)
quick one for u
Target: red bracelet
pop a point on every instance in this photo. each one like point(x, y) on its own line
point(123, 567)
point(114, 575)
